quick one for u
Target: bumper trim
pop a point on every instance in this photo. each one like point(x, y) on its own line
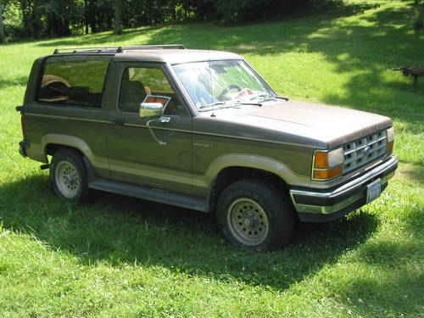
point(316, 206)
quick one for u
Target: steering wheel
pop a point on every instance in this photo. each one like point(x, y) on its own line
point(229, 88)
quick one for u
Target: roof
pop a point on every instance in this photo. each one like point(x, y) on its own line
point(176, 56)
point(172, 54)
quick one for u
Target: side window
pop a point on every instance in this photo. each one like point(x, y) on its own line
point(73, 80)
point(139, 84)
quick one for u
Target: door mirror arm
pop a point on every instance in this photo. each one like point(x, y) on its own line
point(162, 120)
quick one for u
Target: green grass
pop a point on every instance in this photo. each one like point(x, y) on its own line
point(123, 257)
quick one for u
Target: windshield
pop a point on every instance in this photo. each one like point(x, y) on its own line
point(228, 82)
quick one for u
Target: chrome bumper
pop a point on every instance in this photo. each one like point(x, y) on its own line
point(322, 206)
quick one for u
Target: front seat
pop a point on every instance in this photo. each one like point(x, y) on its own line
point(132, 94)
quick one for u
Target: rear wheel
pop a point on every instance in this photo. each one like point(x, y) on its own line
point(255, 215)
point(68, 175)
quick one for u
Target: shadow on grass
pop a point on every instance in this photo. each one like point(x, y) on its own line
point(400, 285)
point(120, 230)
point(411, 173)
point(5, 83)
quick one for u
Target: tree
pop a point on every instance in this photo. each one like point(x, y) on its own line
point(236, 11)
point(30, 18)
point(58, 15)
point(118, 17)
point(99, 15)
point(54, 18)
point(2, 33)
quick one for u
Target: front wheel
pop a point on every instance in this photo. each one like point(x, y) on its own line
point(255, 215)
point(68, 175)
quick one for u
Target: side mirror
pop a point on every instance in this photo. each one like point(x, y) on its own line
point(150, 110)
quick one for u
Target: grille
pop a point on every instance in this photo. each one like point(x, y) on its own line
point(363, 151)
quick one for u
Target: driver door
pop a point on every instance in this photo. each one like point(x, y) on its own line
point(154, 152)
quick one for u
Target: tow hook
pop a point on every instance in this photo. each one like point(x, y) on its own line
point(45, 166)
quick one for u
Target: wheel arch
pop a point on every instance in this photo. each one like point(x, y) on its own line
point(233, 167)
point(54, 143)
point(233, 174)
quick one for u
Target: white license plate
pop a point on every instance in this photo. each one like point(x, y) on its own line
point(373, 190)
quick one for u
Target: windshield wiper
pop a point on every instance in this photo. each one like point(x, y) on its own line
point(227, 104)
point(267, 98)
point(248, 103)
point(213, 106)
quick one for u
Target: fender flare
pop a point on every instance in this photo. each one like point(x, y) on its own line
point(67, 141)
point(257, 162)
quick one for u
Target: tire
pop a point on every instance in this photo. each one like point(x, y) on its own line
point(68, 176)
point(255, 216)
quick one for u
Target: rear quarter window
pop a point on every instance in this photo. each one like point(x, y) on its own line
point(73, 80)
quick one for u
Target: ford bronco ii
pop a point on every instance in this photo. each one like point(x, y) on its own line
point(200, 129)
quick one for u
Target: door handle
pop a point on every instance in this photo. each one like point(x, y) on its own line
point(164, 119)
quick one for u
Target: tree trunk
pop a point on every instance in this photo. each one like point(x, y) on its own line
point(86, 23)
point(118, 17)
point(2, 34)
point(91, 16)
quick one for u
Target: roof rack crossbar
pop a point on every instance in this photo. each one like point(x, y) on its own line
point(119, 49)
point(154, 47)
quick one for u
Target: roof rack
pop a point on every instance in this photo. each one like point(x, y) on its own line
point(119, 49)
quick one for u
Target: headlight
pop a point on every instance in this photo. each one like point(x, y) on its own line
point(327, 164)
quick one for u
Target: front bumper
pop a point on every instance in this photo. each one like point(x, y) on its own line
point(322, 206)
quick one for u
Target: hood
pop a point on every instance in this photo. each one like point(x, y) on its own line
point(328, 126)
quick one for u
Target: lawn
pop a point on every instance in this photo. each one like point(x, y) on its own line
point(121, 257)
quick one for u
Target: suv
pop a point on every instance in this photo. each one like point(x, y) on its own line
point(200, 129)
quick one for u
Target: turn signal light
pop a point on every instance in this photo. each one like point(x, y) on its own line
point(328, 164)
point(328, 174)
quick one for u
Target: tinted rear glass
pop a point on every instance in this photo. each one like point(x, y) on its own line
point(73, 80)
